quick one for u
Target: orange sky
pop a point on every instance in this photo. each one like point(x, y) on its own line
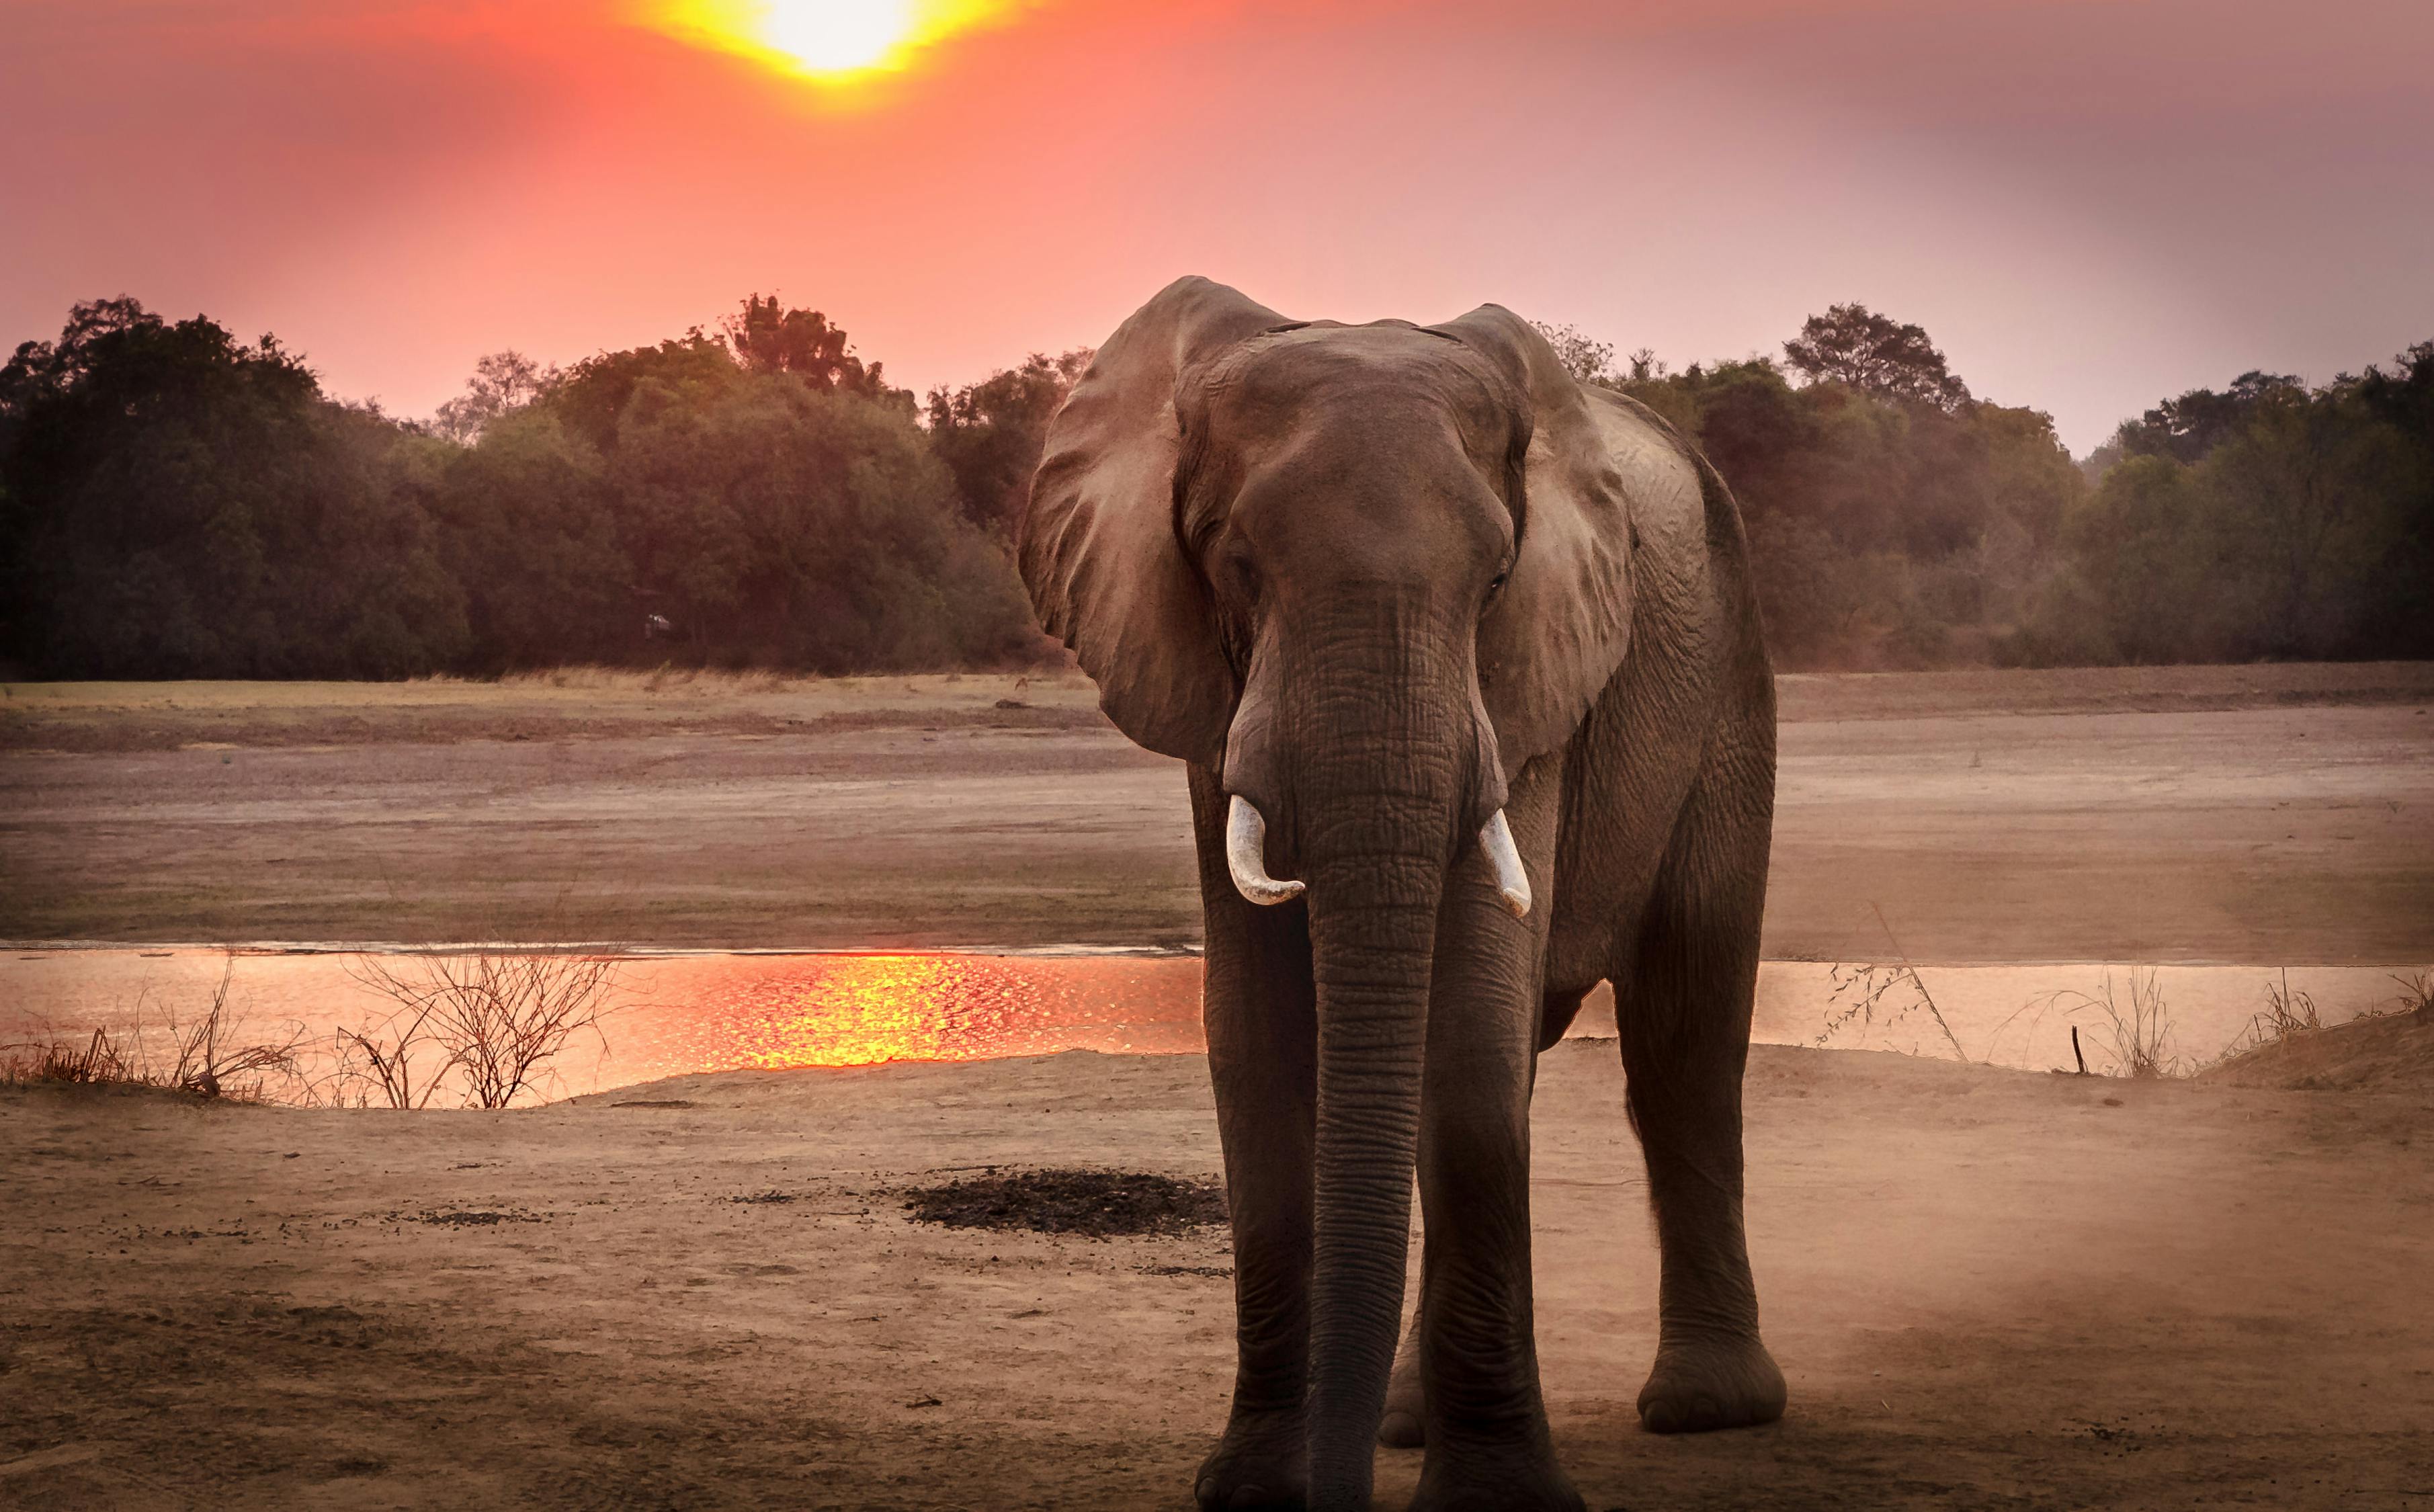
point(2088, 203)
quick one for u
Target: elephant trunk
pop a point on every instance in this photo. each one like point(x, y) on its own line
point(1370, 760)
point(1373, 934)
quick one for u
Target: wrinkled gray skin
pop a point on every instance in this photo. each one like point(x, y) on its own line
point(1380, 581)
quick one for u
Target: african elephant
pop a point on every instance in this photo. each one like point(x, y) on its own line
point(1463, 658)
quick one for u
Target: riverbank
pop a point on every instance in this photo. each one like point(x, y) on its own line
point(2228, 815)
point(671, 1014)
point(1988, 1289)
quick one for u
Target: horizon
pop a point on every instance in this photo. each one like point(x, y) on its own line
point(2093, 207)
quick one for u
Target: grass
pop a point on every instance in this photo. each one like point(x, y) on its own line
point(1861, 992)
point(487, 1025)
point(207, 1055)
point(2134, 1024)
point(2290, 1016)
point(592, 688)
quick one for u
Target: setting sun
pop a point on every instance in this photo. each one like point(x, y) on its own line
point(825, 39)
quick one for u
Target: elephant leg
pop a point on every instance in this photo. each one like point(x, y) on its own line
point(1485, 1424)
point(1403, 1427)
point(1259, 1006)
point(1684, 1024)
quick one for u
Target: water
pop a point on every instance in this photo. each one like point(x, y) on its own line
point(675, 1014)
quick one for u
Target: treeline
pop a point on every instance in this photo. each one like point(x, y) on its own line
point(177, 503)
point(1897, 520)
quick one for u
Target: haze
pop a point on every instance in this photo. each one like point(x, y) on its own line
point(2088, 203)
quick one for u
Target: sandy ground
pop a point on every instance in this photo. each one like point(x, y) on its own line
point(2278, 814)
point(1988, 1289)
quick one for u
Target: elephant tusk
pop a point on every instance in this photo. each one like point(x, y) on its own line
point(1512, 882)
point(1246, 837)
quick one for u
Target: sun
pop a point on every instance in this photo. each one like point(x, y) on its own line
point(827, 41)
point(836, 35)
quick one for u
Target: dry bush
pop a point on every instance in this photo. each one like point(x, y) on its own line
point(383, 1061)
point(212, 1056)
point(2416, 994)
point(497, 1017)
point(2138, 1025)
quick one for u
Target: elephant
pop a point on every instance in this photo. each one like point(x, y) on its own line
point(1464, 663)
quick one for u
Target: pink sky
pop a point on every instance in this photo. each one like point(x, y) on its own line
point(2088, 203)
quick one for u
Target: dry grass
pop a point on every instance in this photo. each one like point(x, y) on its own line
point(2288, 1014)
point(2134, 1024)
point(1863, 995)
point(210, 1053)
point(661, 678)
point(2290, 1019)
point(485, 1027)
point(99, 1061)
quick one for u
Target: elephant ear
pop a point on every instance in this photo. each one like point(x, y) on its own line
point(1560, 628)
point(1098, 548)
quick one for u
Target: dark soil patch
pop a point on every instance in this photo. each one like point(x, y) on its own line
point(1097, 1204)
point(470, 1218)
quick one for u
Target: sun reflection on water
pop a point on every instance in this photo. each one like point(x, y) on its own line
point(859, 1010)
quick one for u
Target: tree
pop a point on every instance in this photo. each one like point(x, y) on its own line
point(503, 382)
point(2141, 558)
point(789, 526)
point(181, 504)
point(2194, 424)
point(767, 337)
point(591, 398)
point(990, 434)
point(2306, 499)
point(1589, 361)
point(1851, 343)
point(530, 528)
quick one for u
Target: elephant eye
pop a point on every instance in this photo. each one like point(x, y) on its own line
point(1245, 575)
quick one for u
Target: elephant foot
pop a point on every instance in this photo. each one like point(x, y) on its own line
point(1535, 1485)
point(1263, 1461)
point(1401, 1428)
point(1713, 1384)
point(1406, 1405)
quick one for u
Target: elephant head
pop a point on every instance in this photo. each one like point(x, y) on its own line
point(1365, 574)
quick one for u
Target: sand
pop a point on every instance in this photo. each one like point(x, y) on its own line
point(2280, 816)
point(1988, 1289)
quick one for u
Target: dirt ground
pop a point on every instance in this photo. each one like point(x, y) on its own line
point(2279, 814)
point(1988, 1289)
